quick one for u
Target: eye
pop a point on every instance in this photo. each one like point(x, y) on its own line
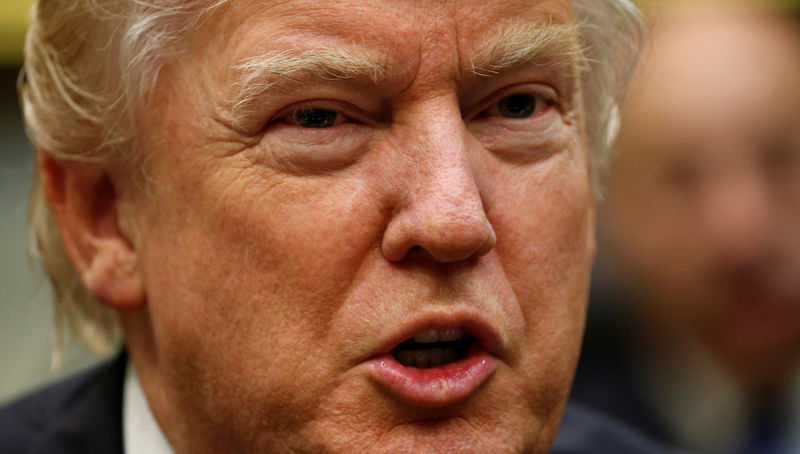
point(315, 118)
point(517, 106)
point(521, 105)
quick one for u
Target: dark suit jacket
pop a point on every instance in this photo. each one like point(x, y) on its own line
point(605, 377)
point(586, 431)
point(83, 415)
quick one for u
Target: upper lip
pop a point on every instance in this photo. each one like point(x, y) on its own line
point(471, 323)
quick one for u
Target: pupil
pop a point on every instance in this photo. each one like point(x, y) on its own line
point(315, 118)
point(517, 106)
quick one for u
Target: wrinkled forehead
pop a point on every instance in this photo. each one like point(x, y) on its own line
point(414, 19)
point(401, 35)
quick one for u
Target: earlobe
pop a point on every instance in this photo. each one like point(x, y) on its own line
point(85, 204)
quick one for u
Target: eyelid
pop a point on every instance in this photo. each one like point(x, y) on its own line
point(338, 120)
point(348, 112)
point(543, 92)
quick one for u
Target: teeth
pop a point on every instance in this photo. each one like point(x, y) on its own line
point(427, 337)
point(451, 335)
point(431, 357)
point(432, 336)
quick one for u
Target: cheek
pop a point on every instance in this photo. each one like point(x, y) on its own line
point(546, 242)
point(248, 249)
point(242, 282)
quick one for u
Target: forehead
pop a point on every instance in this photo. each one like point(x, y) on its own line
point(408, 32)
point(359, 18)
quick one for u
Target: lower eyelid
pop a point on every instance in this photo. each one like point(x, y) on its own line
point(300, 151)
point(516, 146)
point(538, 128)
point(298, 136)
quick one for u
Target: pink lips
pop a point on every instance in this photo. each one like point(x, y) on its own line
point(443, 385)
point(435, 386)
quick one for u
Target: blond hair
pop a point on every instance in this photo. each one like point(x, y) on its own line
point(90, 64)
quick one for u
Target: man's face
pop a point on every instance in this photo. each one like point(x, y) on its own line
point(705, 198)
point(399, 174)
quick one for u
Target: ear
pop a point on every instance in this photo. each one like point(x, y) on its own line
point(84, 202)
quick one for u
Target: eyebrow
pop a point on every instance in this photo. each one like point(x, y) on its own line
point(519, 43)
point(259, 74)
point(513, 45)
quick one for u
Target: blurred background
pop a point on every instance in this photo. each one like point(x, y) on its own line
point(25, 315)
point(694, 322)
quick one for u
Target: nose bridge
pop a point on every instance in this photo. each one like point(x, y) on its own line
point(444, 177)
point(442, 210)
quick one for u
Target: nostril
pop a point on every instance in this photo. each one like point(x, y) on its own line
point(443, 241)
point(489, 242)
point(462, 242)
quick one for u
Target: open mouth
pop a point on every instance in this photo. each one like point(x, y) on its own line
point(437, 367)
point(434, 348)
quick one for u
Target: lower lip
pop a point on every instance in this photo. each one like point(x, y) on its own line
point(434, 386)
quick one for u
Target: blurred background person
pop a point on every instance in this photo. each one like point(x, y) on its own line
point(694, 333)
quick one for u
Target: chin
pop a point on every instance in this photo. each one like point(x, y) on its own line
point(456, 435)
point(489, 422)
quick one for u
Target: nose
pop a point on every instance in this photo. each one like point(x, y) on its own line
point(440, 211)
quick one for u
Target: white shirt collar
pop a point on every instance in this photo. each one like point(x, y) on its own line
point(140, 432)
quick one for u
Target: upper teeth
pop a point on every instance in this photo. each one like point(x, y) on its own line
point(432, 335)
